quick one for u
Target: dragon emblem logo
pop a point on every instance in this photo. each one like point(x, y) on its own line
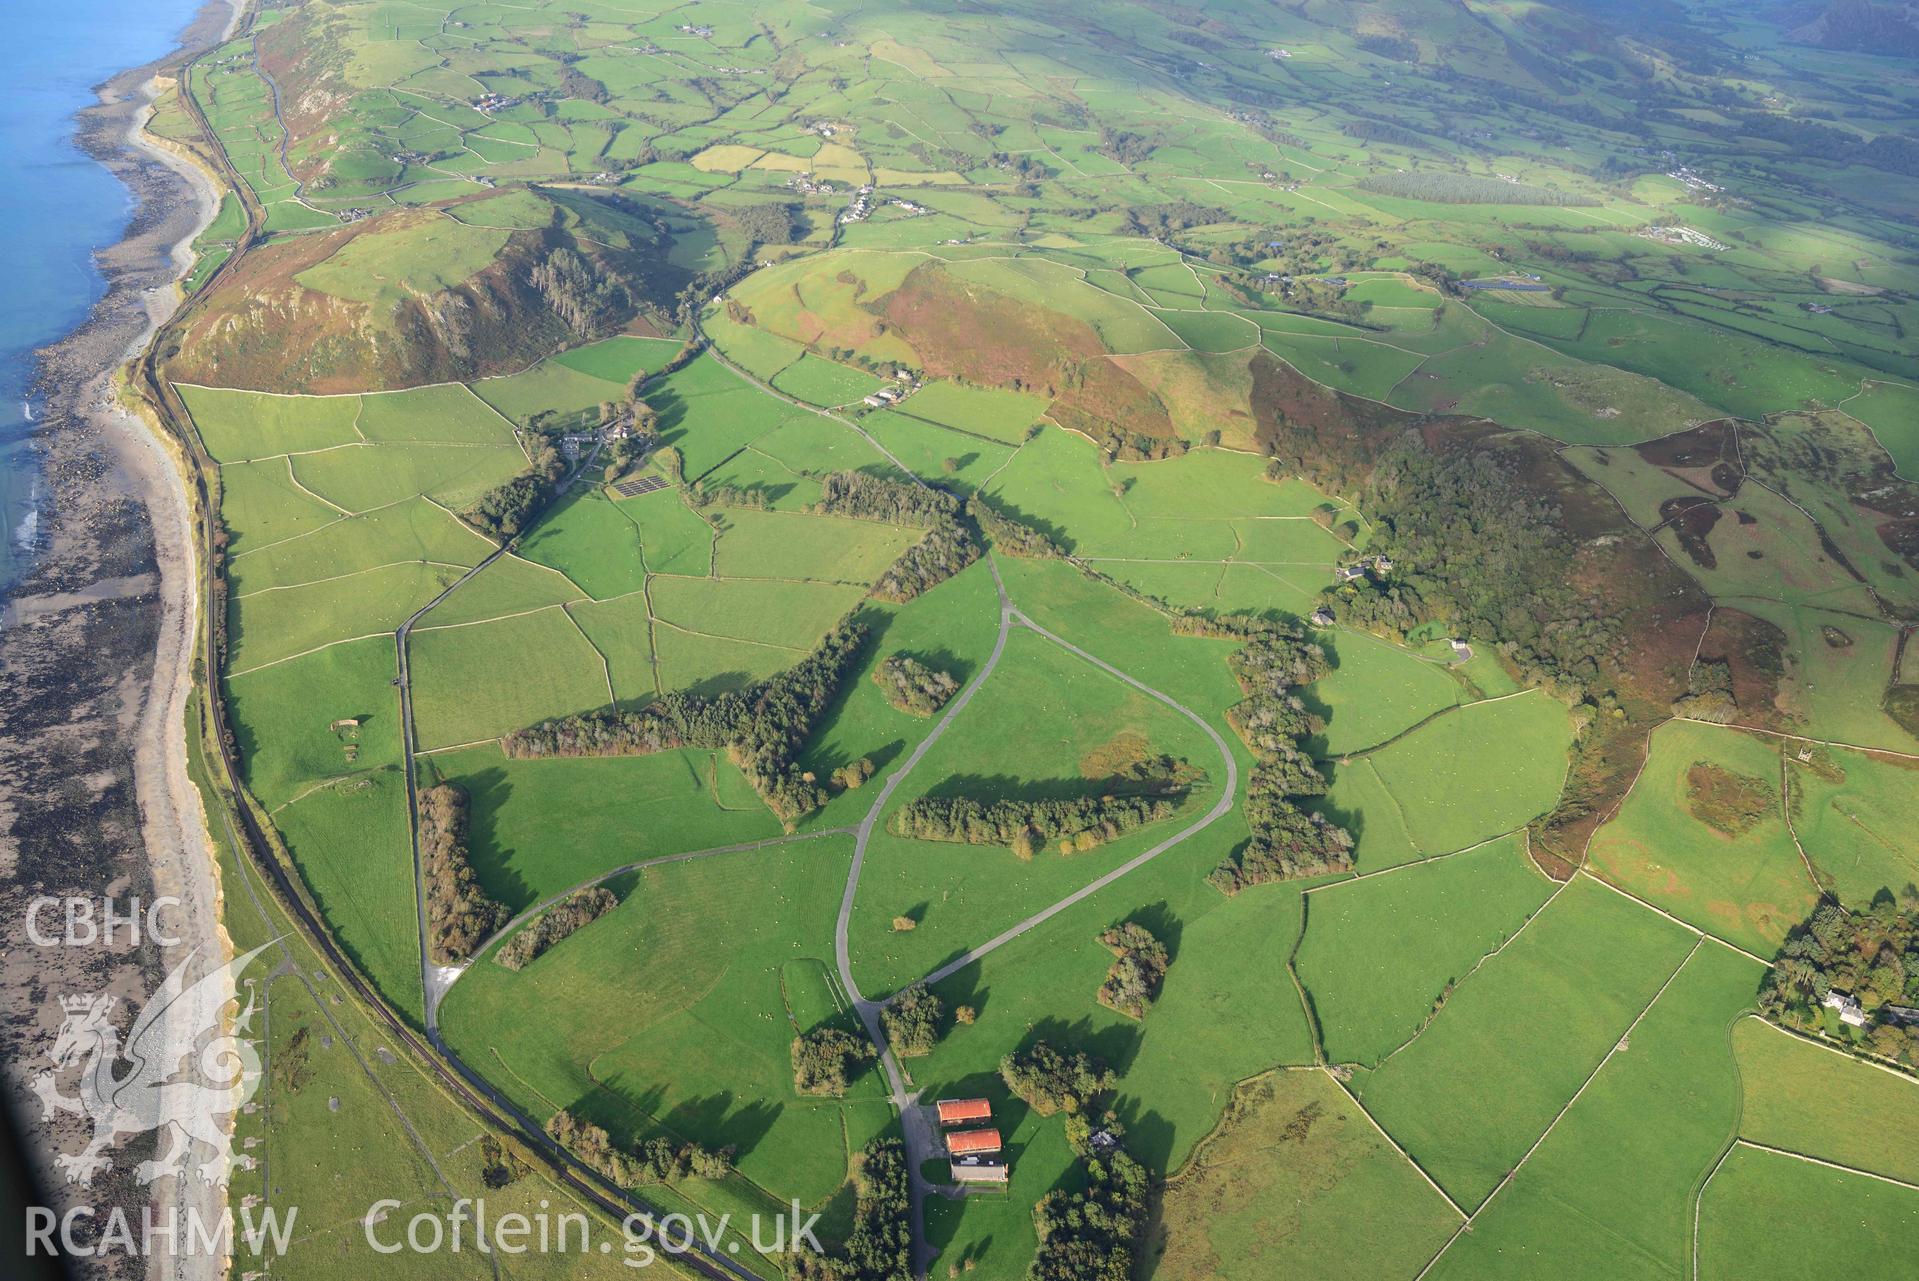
point(184, 1074)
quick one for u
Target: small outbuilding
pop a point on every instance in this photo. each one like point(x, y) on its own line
point(979, 1169)
point(1322, 617)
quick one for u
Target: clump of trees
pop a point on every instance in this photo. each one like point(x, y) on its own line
point(880, 1246)
point(1080, 822)
point(656, 1160)
point(575, 83)
point(761, 727)
point(1093, 1234)
point(582, 907)
point(589, 300)
point(504, 511)
point(1014, 537)
point(866, 497)
point(1709, 693)
point(853, 774)
point(1139, 966)
point(912, 686)
point(1051, 1080)
point(769, 224)
point(1474, 548)
point(1162, 220)
point(825, 1059)
point(948, 546)
point(1872, 956)
point(1123, 147)
point(1287, 842)
point(459, 915)
point(751, 497)
point(911, 1021)
point(946, 549)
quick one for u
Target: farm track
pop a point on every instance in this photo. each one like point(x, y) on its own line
point(914, 1127)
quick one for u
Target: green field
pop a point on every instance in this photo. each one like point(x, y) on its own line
point(1475, 773)
point(694, 960)
point(824, 549)
point(1809, 1099)
point(237, 425)
point(1748, 886)
point(1376, 692)
point(1769, 1216)
point(1853, 811)
point(481, 680)
point(1381, 954)
point(594, 542)
point(1296, 1149)
point(1517, 1040)
point(543, 826)
point(1892, 410)
point(1632, 1150)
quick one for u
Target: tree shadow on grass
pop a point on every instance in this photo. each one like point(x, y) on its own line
point(963, 988)
point(1007, 787)
point(1354, 821)
point(487, 793)
point(719, 683)
point(1113, 1045)
point(717, 1120)
point(1044, 526)
point(943, 660)
point(1159, 921)
point(1150, 1137)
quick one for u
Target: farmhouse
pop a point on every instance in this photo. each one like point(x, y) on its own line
point(972, 1142)
point(1848, 1007)
point(964, 1111)
point(1347, 573)
point(979, 1169)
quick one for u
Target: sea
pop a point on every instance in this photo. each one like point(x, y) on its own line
point(58, 207)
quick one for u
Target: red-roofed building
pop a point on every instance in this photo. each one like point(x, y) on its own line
point(964, 1142)
point(964, 1111)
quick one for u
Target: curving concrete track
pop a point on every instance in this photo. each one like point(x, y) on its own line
point(916, 1130)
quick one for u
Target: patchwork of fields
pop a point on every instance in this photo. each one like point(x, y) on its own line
point(855, 511)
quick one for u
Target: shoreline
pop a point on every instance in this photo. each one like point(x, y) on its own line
point(98, 669)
